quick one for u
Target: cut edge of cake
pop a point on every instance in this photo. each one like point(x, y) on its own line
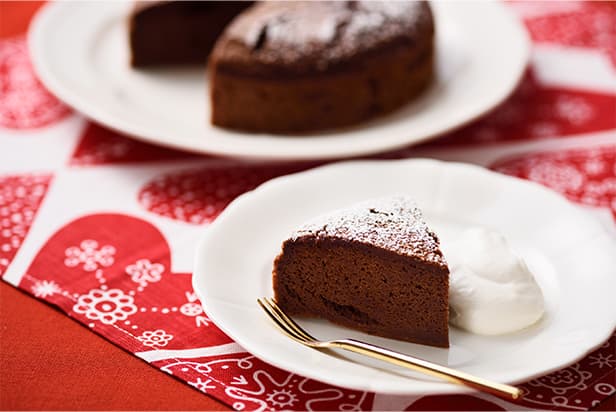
point(374, 266)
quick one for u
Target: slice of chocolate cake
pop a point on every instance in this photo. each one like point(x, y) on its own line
point(375, 267)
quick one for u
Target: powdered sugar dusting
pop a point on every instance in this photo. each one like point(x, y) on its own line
point(294, 23)
point(394, 223)
point(336, 28)
point(314, 24)
point(370, 15)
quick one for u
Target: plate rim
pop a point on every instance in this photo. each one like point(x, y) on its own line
point(81, 103)
point(443, 387)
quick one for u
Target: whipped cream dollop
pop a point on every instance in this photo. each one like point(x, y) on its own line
point(491, 290)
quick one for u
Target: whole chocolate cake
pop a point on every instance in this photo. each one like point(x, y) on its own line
point(375, 267)
point(294, 66)
point(302, 66)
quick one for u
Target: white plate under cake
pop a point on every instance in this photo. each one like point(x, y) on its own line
point(80, 52)
point(569, 253)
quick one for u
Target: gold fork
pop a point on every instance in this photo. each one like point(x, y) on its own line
point(295, 332)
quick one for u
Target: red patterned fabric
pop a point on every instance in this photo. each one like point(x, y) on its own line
point(99, 146)
point(249, 384)
point(583, 175)
point(20, 198)
point(537, 112)
point(198, 196)
point(581, 24)
point(24, 103)
point(120, 286)
point(107, 236)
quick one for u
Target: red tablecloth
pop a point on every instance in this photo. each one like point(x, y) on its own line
point(76, 249)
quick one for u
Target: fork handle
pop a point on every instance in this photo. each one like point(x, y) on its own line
point(420, 365)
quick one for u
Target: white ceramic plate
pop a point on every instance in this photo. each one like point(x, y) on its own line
point(570, 253)
point(79, 50)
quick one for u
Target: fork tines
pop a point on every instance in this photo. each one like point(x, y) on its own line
point(285, 323)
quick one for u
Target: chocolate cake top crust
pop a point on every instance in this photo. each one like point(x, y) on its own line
point(391, 223)
point(313, 36)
